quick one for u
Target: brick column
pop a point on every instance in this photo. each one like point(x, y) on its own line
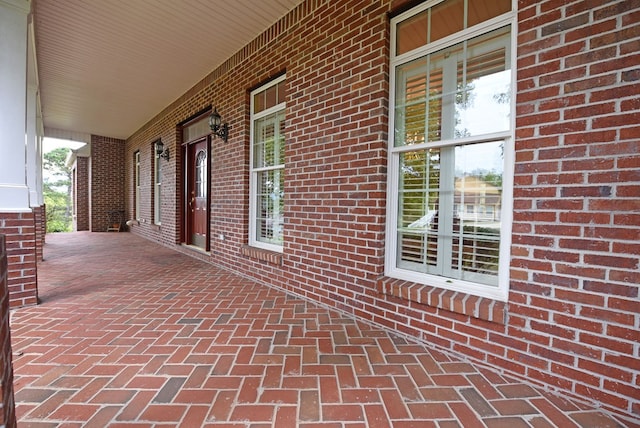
point(7, 404)
point(81, 194)
point(106, 188)
point(22, 280)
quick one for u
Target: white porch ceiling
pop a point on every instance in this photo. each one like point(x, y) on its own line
point(106, 67)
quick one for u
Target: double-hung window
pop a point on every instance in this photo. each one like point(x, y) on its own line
point(136, 178)
point(451, 146)
point(157, 188)
point(266, 217)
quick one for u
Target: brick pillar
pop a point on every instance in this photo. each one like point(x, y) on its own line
point(106, 188)
point(81, 193)
point(7, 404)
point(22, 280)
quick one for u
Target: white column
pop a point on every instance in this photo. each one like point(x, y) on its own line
point(33, 163)
point(14, 192)
point(35, 128)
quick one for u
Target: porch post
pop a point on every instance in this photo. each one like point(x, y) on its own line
point(34, 135)
point(14, 192)
point(18, 154)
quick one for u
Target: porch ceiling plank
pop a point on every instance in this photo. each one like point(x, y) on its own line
point(108, 66)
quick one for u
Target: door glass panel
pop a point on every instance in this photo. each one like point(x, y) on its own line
point(201, 175)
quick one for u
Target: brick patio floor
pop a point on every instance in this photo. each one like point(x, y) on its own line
point(133, 334)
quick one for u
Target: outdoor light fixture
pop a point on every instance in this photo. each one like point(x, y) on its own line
point(160, 151)
point(217, 127)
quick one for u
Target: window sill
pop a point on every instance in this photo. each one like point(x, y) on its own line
point(482, 308)
point(263, 255)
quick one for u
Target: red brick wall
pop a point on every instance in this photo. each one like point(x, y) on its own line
point(573, 314)
point(106, 186)
point(81, 194)
point(574, 308)
point(20, 232)
point(7, 406)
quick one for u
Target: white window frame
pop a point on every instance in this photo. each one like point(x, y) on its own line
point(157, 188)
point(501, 291)
point(136, 167)
point(253, 171)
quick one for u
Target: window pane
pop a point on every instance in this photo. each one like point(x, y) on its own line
point(446, 18)
point(449, 205)
point(271, 97)
point(419, 204)
point(420, 103)
point(480, 11)
point(484, 82)
point(411, 103)
point(412, 33)
point(258, 102)
point(196, 130)
point(270, 206)
point(268, 147)
point(457, 92)
point(478, 187)
point(281, 92)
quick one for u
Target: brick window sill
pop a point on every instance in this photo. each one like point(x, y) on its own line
point(474, 306)
point(263, 255)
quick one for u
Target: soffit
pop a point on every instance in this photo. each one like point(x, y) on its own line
point(106, 67)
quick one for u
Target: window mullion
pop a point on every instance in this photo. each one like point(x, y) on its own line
point(445, 213)
point(447, 166)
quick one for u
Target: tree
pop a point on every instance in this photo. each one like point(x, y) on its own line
point(57, 190)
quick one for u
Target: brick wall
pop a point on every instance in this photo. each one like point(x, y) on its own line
point(573, 314)
point(106, 186)
point(574, 304)
point(81, 194)
point(20, 232)
point(7, 406)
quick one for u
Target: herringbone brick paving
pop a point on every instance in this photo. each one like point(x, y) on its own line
point(132, 334)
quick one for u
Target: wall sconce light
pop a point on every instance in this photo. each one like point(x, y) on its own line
point(161, 152)
point(217, 127)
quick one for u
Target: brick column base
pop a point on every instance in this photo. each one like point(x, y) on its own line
point(7, 403)
point(21, 243)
